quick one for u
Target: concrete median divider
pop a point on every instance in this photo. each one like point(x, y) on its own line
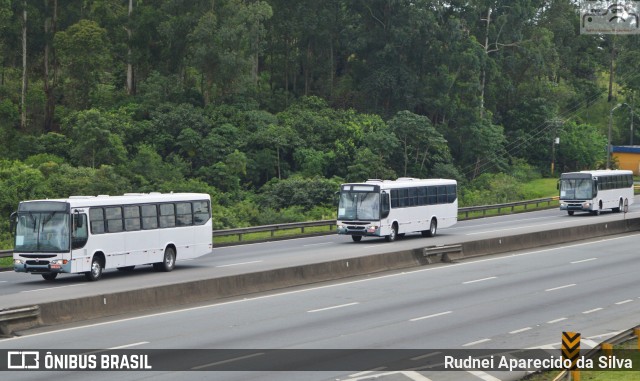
point(199, 291)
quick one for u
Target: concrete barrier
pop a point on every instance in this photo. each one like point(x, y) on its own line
point(173, 295)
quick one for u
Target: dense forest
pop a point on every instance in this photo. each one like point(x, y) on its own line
point(269, 104)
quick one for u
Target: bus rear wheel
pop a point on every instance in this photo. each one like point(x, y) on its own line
point(168, 262)
point(433, 227)
point(356, 238)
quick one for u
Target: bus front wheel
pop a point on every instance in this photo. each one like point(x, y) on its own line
point(392, 234)
point(356, 238)
point(96, 270)
point(168, 262)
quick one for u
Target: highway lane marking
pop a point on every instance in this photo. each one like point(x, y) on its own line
point(415, 376)
point(215, 305)
point(479, 280)
point(430, 316)
point(592, 311)
point(239, 264)
point(556, 320)
point(51, 288)
point(318, 244)
point(228, 361)
point(363, 373)
point(560, 287)
point(425, 356)
point(584, 260)
point(476, 342)
point(520, 330)
point(625, 301)
point(483, 375)
point(130, 345)
point(334, 307)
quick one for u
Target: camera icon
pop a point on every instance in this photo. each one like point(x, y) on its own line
point(23, 360)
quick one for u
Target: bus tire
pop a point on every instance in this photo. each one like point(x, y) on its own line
point(393, 234)
point(168, 262)
point(96, 269)
point(619, 208)
point(433, 227)
point(570, 212)
point(356, 238)
point(49, 276)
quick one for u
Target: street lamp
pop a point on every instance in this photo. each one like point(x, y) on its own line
point(610, 125)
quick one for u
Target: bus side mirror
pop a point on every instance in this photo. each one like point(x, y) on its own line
point(77, 220)
point(13, 222)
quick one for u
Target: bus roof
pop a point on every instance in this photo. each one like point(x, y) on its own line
point(404, 182)
point(127, 198)
point(599, 172)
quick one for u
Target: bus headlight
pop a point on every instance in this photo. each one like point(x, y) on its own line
point(18, 262)
point(586, 205)
point(59, 262)
point(372, 229)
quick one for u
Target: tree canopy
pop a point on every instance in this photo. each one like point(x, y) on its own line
point(245, 99)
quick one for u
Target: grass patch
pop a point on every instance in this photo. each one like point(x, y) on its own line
point(541, 188)
point(6, 262)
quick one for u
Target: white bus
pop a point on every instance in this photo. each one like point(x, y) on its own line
point(87, 234)
point(593, 191)
point(386, 208)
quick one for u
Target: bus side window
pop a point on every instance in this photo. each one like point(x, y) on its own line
point(80, 233)
point(384, 207)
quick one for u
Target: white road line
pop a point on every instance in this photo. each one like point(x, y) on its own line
point(367, 372)
point(625, 301)
point(592, 311)
point(130, 345)
point(476, 342)
point(415, 376)
point(318, 244)
point(3, 281)
point(556, 321)
point(584, 260)
point(561, 287)
point(483, 375)
point(334, 307)
point(520, 330)
point(425, 356)
point(228, 361)
point(430, 316)
point(589, 343)
point(238, 264)
point(479, 280)
point(51, 288)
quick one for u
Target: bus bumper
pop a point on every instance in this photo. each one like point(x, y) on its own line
point(361, 230)
point(576, 205)
point(21, 266)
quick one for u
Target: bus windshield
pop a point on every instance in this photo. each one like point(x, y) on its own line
point(576, 189)
point(359, 205)
point(42, 232)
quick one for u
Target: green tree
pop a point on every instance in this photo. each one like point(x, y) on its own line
point(83, 51)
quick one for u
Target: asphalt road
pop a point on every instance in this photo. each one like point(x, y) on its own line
point(511, 301)
point(18, 289)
